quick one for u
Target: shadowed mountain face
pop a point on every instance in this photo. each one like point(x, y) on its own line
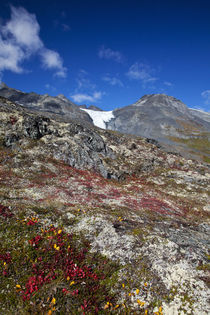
point(58, 105)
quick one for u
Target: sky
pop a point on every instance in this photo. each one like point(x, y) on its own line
point(107, 53)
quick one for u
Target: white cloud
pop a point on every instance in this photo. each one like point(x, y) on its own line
point(52, 60)
point(19, 40)
point(23, 28)
point(11, 56)
point(81, 98)
point(167, 83)
point(113, 81)
point(142, 72)
point(108, 53)
point(206, 95)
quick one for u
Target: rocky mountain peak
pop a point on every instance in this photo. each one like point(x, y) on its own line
point(161, 100)
point(62, 97)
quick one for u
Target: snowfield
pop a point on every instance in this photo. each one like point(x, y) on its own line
point(100, 118)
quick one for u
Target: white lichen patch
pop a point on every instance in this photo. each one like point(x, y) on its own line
point(191, 294)
point(104, 238)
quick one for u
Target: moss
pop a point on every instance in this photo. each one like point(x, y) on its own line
point(206, 159)
point(200, 145)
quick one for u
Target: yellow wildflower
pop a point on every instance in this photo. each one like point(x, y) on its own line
point(60, 231)
point(18, 286)
point(145, 284)
point(107, 305)
point(137, 291)
point(5, 263)
point(53, 301)
point(73, 282)
point(68, 278)
point(140, 303)
point(123, 285)
point(146, 312)
point(56, 247)
point(117, 306)
point(49, 312)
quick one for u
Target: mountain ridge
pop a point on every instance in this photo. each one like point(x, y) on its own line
point(161, 117)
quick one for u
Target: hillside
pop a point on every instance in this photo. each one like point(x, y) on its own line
point(97, 222)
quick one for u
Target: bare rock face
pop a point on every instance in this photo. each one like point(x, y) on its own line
point(157, 116)
point(79, 146)
point(167, 120)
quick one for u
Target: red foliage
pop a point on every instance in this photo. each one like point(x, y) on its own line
point(157, 205)
point(5, 212)
point(35, 241)
point(6, 258)
point(13, 120)
point(63, 258)
point(32, 222)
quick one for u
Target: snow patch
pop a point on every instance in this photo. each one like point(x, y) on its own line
point(100, 118)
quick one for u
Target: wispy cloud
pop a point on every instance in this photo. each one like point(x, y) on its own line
point(167, 83)
point(86, 91)
point(113, 81)
point(81, 98)
point(83, 81)
point(19, 40)
point(108, 53)
point(66, 27)
point(50, 87)
point(141, 72)
point(206, 96)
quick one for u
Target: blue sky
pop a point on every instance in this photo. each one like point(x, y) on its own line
point(107, 53)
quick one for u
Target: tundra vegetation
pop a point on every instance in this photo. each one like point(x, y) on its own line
point(95, 222)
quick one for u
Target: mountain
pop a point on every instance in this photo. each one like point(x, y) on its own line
point(159, 117)
point(93, 221)
point(59, 105)
point(167, 120)
point(156, 116)
point(201, 114)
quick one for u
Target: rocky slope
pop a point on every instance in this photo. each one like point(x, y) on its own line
point(167, 120)
point(201, 114)
point(93, 221)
